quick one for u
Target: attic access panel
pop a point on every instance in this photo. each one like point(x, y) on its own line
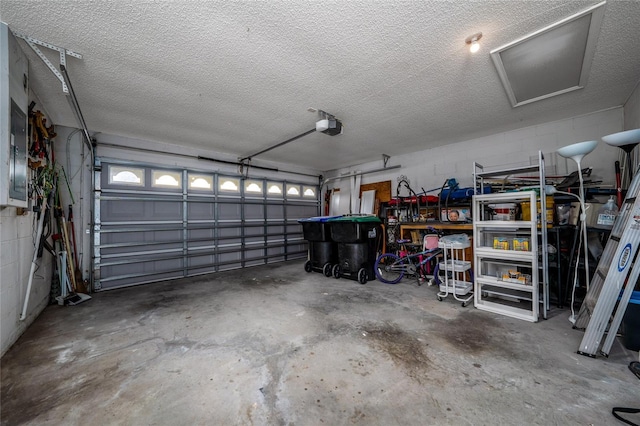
point(550, 61)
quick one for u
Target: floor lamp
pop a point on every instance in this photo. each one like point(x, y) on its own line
point(626, 141)
point(576, 152)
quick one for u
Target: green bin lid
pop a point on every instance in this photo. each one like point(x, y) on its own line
point(318, 219)
point(357, 219)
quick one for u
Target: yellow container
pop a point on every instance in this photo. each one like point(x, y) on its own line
point(501, 243)
point(526, 210)
point(520, 244)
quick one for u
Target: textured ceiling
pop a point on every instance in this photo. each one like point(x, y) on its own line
point(238, 76)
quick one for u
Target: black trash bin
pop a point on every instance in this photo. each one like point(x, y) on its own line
point(358, 238)
point(323, 251)
point(631, 323)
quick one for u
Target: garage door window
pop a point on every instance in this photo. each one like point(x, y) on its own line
point(253, 187)
point(309, 192)
point(165, 179)
point(200, 182)
point(274, 188)
point(126, 176)
point(229, 184)
point(293, 190)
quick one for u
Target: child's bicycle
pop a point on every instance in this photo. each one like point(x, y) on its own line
point(390, 268)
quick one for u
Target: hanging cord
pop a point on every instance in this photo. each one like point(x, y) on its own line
point(634, 366)
point(80, 117)
point(575, 272)
point(446, 202)
point(452, 185)
point(243, 168)
point(72, 176)
point(67, 148)
point(505, 180)
point(444, 185)
point(401, 180)
point(73, 201)
point(616, 410)
point(575, 283)
point(82, 218)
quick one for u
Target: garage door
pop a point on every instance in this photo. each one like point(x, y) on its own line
point(155, 223)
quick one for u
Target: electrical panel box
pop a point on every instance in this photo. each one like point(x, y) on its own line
point(14, 101)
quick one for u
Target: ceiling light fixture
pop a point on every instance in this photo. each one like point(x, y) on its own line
point(472, 41)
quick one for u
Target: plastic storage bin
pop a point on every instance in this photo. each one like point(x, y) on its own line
point(505, 211)
point(323, 251)
point(631, 323)
point(358, 238)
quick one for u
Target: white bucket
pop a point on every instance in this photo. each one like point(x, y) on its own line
point(505, 211)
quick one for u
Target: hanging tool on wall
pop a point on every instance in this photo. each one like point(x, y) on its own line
point(40, 135)
point(65, 239)
point(68, 290)
point(47, 200)
point(77, 272)
point(327, 201)
point(619, 184)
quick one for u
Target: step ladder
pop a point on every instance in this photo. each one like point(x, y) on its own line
point(617, 272)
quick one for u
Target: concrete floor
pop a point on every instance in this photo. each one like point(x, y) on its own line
point(274, 345)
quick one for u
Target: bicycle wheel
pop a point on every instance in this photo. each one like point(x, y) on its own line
point(389, 268)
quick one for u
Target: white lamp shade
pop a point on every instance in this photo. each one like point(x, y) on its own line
point(628, 137)
point(577, 150)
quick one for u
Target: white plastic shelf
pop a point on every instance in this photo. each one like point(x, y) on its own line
point(513, 299)
point(455, 265)
point(461, 288)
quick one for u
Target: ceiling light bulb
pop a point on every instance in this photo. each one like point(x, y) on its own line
point(472, 41)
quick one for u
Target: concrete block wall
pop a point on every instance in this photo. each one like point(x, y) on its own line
point(430, 168)
point(17, 235)
point(17, 244)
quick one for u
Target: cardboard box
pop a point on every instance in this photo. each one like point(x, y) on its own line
point(516, 277)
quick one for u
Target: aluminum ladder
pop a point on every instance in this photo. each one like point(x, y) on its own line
point(618, 270)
